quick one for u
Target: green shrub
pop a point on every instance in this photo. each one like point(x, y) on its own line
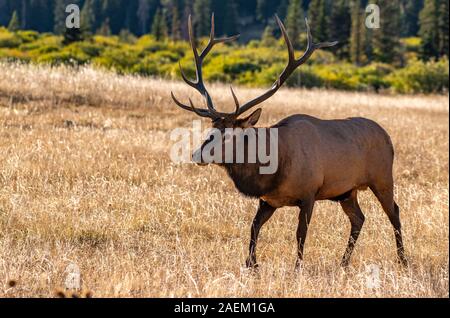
point(106, 41)
point(8, 39)
point(254, 64)
point(411, 44)
point(90, 49)
point(14, 55)
point(63, 57)
point(215, 70)
point(305, 77)
point(127, 37)
point(421, 77)
point(338, 76)
point(373, 76)
point(42, 45)
point(267, 76)
point(160, 63)
point(27, 36)
point(120, 60)
point(146, 67)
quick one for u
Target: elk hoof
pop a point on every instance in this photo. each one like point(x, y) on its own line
point(345, 263)
point(403, 261)
point(251, 264)
point(298, 265)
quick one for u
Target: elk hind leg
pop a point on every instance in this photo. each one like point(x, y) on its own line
point(353, 211)
point(386, 197)
point(306, 210)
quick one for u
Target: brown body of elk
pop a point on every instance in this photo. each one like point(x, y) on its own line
point(317, 159)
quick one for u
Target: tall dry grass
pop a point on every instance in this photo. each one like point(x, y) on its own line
point(85, 178)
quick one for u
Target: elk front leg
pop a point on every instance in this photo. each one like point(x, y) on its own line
point(354, 213)
point(306, 210)
point(265, 211)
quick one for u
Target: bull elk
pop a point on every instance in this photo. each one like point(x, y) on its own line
point(318, 159)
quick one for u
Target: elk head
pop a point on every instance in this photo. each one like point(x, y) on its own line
point(224, 121)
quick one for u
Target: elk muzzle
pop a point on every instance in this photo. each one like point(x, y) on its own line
point(197, 157)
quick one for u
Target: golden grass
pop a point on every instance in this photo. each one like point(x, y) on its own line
point(85, 178)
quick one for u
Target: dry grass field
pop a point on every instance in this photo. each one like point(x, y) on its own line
point(86, 179)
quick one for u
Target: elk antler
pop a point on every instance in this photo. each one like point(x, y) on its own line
point(292, 65)
point(198, 84)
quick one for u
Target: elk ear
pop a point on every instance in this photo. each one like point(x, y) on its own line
point(251, 120)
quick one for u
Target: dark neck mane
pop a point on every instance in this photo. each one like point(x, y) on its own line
point(250, 182)
point(248, 179)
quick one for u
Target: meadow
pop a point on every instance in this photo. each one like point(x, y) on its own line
point(86, 179)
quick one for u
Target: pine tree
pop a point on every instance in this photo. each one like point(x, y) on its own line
point(87, 17)
point(261, 9)
point(59, 17)
point(282, 8)
point(295, 19)
point(14, 23)
point(318, 19)
point(221, 8)
point(163, 26)
point(202, 17)
point(23, 21)
point(4, 14)
point(386, 44)
point(159, 25)
point(429, 29)
point(127, 37)
point(265, 9)
point(367, 45)
point(340, 26)
point(105, 28)
point(187, 11)
point(114, 11)
point(131, 23)
point(176, 24)
point(268, 38)
point(40, 15)
point(410, 17)
point(231, 18)
point(443, 22)
point(357, 34)
point(143, 14)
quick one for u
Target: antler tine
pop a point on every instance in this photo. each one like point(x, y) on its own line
point(183, 75)
point(210, 106)
point(236, 101)
point(192, 108)
point(198, 59)
point(289, 45)
point(213, 40)
point(312, 46)
point(197, 111)
point(292, 65)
